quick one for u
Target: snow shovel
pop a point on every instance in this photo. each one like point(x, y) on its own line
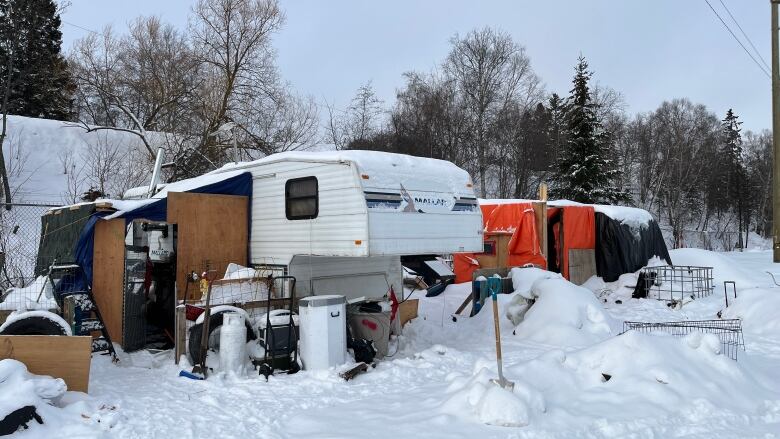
point(494, 286)
point(200, 369)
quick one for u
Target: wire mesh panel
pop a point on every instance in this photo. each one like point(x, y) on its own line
point(728, 331)
point(675, 282)
point(20, 234)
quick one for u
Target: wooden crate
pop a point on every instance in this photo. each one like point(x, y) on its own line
point(58, 356)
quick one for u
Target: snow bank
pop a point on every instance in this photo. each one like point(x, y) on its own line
point(64, 414)
point(523, 279)
point(758, 310)
point(723, 267)
point(563, 314)
point(38, 148)
point(635, 376)
point(488, 403)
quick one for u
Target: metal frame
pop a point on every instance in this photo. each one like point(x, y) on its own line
point(728, 331)
point(676, 282)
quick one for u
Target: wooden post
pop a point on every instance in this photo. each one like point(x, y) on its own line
point(775, 132)
point(540, 220)
point(69, 312)
point(181, 332)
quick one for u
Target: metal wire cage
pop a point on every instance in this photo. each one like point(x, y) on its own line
point(728, 331)
point(676, 282)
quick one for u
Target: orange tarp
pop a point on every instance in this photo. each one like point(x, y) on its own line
point(579, 232)
point(524, 247)
point(464, 264)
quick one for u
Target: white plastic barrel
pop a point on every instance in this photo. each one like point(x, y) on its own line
point(232, 343)
point(323, 328)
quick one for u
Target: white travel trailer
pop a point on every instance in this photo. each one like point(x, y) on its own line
point(334, 216)
point(339, 221)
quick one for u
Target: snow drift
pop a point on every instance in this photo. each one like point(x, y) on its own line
point(62, 413)
point(563, 314)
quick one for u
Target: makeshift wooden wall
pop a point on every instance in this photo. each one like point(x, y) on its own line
point(108, 274)
point(58, 356)
point(211, 228)
point(501, 257)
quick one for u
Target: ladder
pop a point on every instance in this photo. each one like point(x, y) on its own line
point(79, 307)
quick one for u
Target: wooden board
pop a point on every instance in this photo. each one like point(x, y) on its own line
point(58, 356)
point(4, 315)
point(582, 265)
point(407, 310)
point(501, 258)
point(211, 229)
point(108, 274)
point(540, 221)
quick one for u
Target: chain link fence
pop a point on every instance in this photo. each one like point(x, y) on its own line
point(20, 234)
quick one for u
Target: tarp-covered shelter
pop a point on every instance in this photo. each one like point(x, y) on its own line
point(207, 218)
point(511, 238)
point(581, 240)
point(156, 208)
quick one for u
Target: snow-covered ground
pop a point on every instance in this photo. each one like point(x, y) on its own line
point(574, 376)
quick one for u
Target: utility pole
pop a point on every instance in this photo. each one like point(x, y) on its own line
point(775, 135)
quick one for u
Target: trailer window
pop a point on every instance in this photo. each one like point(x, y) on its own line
point(301, 200)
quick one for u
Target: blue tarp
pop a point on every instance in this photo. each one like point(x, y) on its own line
point(240, 184)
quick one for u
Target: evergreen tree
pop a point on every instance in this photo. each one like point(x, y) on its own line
point(584, 170)
point(33, 71)
point(732, 178)
point(556, 128)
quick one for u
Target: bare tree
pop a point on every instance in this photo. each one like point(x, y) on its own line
point(74, 178)
point(361, 120)
point(140, 82)
point(232, 40)
point(492, 72)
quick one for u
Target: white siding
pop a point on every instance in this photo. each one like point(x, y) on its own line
point(341, 220)
point(409, 233)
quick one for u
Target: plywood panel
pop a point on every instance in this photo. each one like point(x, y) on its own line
point(58, 356)
point(211, 228)
point(582, 265)
point(408, 310)
point(108, 273)
point(501, 258)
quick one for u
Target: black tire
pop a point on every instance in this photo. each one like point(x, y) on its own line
point(34, 325)
point(196, 333)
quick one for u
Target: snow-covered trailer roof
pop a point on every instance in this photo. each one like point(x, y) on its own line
point(369, 204)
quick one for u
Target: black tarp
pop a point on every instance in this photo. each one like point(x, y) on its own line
point(622, 249)
point(60, 230)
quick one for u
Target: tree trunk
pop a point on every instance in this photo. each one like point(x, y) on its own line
point(4, 109)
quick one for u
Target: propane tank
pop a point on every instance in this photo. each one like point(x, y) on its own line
point(232, 343)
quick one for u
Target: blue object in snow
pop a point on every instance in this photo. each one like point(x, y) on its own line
point(192, 376)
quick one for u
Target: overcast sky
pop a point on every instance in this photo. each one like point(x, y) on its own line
point(650, 51)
